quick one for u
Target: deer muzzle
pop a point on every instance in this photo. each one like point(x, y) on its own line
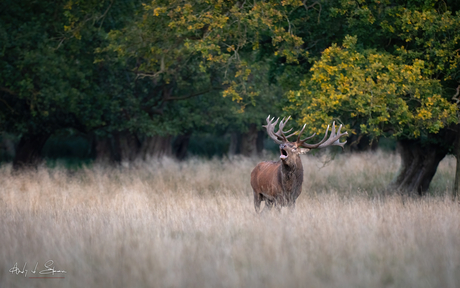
point(283, 152)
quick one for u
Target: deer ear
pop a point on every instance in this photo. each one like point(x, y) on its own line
point(304, 150)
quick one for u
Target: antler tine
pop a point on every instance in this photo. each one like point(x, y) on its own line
point(282, 124)
point(269, 121)
point(309, 137)
point(280, 132)
point(313, 146)
point(334, 139)
point(301, 131)
point(271, 130)
point(300, 134)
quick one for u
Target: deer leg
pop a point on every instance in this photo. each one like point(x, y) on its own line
point(257, 200)
point(269, 204)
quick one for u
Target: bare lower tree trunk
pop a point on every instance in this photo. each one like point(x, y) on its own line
point(28, 151)
point(418, 166)
point(102, 148)
point(156, 147)
point(180, 145)
point(233, 149)
point(7, 147)
point(456, 188)
point(260, 142)
point(248, 144)
point(127, 146)
point(249, 141)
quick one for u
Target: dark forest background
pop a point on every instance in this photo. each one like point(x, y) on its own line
point(119, 81)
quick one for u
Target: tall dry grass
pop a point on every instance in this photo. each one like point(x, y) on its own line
point(192, 224)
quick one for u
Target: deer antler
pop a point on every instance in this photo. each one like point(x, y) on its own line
point(279, 136)
point(271, 130)
point(332, 141)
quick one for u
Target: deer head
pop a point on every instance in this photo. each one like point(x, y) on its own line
point(288, 150)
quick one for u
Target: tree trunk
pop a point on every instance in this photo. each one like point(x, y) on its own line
point(249, 144)
point(28, 151)
point(126, 146)
point(7, 147)
point(233, 148)
point(260, 142)
point(418, 166)
point(456, 188)
point(103, 150)
point(180, 145)
point(156, 147)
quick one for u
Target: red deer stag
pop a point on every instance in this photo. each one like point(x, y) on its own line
point(280, 183)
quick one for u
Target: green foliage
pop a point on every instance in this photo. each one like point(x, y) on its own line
point(425, 30)
point(395, 77)
point(372, 90)
point(162, 67)
point(47, 79)
point(209, 41)
point(186, 56)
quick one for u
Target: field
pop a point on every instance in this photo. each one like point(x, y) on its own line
point(192, 224)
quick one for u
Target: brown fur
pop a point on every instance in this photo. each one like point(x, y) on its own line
point(278, 183)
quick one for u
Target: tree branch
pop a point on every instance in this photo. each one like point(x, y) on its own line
point(456, 95)
point(11, 92)
point(189, 96)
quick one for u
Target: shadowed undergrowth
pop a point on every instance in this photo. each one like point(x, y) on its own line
point(192, 224)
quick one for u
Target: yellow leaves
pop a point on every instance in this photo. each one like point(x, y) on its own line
point(244, 73)
point(429, 102)
point(294, 3)
point(373, 88)
point(159, 10)
point(423, 114)
point(247, 72)
point(231, 92)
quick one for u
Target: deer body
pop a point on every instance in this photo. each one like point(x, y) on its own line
point(277, 183)
point(280, 183)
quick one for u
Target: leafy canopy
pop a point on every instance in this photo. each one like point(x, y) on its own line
point(375, 91)
point(206, 37)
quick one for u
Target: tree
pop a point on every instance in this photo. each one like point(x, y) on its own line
point(383, 95)
point(51, 79)
point(202, 49)
point(43, 86)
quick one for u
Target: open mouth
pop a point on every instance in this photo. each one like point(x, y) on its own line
point(283, 154)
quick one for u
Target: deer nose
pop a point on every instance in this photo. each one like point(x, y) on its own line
point(282, 146)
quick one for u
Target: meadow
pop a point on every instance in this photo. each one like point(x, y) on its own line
point(192, 224)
